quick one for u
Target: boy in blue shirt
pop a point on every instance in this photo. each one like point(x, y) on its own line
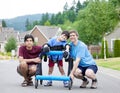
point(84, 65)
point(58, 44)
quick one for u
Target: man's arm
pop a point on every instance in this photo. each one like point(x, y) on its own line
point(36, 60)
point(74, 67)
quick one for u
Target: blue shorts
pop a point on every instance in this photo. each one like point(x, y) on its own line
point(92, 67)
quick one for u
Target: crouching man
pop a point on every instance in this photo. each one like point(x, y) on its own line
point(28, 58)
point(84, 66)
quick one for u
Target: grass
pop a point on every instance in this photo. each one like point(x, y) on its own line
point(113, 63)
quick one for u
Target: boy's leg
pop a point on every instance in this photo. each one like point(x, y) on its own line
point(50, 71)
point(90, 73)
point(60, 66)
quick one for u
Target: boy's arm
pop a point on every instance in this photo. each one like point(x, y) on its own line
point(36, 60)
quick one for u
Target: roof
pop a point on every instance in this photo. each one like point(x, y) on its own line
point(114, 34)
point(7, 33)
point(48, 31)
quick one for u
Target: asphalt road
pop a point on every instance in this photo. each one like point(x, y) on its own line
point(10, 81)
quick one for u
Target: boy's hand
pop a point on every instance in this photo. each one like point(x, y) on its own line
point(66, 54)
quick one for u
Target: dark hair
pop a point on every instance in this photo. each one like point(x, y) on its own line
point(73, 31)
point(66, 34)
point(28, 36)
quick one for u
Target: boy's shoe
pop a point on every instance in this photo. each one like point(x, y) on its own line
point(94, 84)
point(65, 83)
point(49, 83)
point(84, 84)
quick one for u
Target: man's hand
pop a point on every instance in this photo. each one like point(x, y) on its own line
point(71, 76)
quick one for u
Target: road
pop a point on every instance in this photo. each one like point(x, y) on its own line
point(10, 81)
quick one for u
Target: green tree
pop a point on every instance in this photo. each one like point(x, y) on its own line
point(47, 23)
point(98, 18)
point(65, 8)
point(78, 6)
point(4, 23)
point(11, 44)
point(45, 17)
point(28, 25)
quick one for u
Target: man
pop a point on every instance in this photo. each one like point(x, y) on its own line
point(58, 44)
point(84, 65)
point(28, 58)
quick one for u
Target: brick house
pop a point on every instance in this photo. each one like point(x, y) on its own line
point(43, 33)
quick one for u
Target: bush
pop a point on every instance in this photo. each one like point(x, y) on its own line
point(116, 48)
point(11, 44)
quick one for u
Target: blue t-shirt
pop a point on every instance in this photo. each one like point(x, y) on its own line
point(81, 51)
point(53, 42)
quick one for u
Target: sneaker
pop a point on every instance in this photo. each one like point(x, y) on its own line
point(94, 84)
point(84, 84)
point(49, 83)
point(65, 83)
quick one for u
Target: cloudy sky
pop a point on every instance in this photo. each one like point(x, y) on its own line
point(14, 8)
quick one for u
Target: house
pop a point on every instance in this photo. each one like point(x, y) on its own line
point(43, 33)
point(112, 37)
point(5, 34)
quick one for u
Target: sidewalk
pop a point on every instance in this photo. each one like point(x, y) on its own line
point(110, 72)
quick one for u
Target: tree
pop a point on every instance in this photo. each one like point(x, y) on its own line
point(28, 25)
point(117, 48)
point(65, 7)
point(11, 44)
point(47, 23)
point(4, 23)
point(78, 6)
point(45, 17)
point(98, 18)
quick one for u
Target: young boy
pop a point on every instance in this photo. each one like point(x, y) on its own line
point(58, 44)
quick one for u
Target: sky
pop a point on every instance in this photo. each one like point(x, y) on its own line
point(14, 8)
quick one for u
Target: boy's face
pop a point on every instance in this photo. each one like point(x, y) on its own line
point(73, 37)
point(63, 37)
point(29, 42)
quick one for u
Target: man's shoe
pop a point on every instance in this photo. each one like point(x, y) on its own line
point(65, 83)
point(84, 84)
point(94, 84)
point(49, 83)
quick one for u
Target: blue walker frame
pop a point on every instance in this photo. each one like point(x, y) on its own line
point(55, 78)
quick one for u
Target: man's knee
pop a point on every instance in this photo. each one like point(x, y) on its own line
point(23, 65)
point(89, 72)
point(77, 73)
point(32, 70)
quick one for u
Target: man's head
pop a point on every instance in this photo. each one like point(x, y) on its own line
point(73, 35)
point(64, 35)
point(29, 40)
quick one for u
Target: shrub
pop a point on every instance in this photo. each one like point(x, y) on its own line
point(116, 48)
point(11, 44)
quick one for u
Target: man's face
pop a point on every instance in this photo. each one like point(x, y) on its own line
point(73, 37)
point(29, 42)
point(63, 37)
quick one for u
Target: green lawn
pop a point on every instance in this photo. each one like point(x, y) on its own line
point(113, 63)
